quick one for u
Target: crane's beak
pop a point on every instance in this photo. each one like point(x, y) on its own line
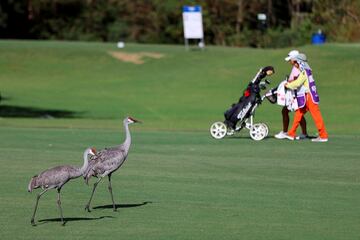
point(137, 121)
point(134, 120)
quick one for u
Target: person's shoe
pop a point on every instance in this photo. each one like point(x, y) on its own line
point(303, 136)
point(281, 135)
point(290, 137)
point(319, 139)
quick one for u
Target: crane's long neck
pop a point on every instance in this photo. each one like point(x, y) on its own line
point(81, 170)
point(86, 161)
point(127, 141)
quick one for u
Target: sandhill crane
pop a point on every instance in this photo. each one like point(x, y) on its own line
point(107, 161)
point(56, 178)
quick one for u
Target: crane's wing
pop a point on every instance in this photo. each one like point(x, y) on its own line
point(107, 159)
point(52, 177)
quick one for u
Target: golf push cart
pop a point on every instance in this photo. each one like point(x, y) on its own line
point(241, 114)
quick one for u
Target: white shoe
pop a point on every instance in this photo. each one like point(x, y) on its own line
point(291, 138)
point(319, 139)
point(281, 135)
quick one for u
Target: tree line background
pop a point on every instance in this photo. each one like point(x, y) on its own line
point(226, 22)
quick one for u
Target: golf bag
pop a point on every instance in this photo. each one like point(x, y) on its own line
point(247, 103)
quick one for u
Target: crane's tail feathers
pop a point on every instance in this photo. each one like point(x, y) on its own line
point(86, 181)
point(88, 176)
point(32, 184)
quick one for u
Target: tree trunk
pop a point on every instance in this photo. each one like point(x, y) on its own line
point(240, 16)
point(270, 18)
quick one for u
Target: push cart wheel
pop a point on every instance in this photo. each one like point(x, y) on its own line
point(267, 129)
point(218, 130)
point(258, 131)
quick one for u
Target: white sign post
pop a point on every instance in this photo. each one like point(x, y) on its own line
point(193, 25)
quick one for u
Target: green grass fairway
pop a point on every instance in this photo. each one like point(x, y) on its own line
point(193, 187)
point(183, 90)
point(178, 182)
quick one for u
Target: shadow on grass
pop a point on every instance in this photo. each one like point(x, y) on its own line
point(72, 219)
point(309, 137)
point(240, 137)
point(31, 112)
point(121, 205)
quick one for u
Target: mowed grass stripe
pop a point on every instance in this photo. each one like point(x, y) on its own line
point(178, 183)
point(193, 186)
point(186, 90)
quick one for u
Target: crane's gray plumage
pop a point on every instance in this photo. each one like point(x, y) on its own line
point(107, 161)
point(56, 178)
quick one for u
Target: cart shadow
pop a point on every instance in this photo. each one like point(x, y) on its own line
point(238, 137)
point(131, 205)
point(246, 138)
point(72, 219)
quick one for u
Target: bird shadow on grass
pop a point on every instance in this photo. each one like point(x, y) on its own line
point(72, 219)
point(32, 112)
point(131, 205)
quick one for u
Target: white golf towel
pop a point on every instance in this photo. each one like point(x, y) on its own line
point(286, 97)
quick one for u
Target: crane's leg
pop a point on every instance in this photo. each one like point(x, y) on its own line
point(36, 205)
point(111, 193)
point(59, 205)
point(87, 207)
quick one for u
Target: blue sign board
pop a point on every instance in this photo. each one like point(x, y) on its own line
point(192, 8)
point(192, 19)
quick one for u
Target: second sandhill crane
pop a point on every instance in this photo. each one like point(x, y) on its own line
point(56, 178)
point(107, 161)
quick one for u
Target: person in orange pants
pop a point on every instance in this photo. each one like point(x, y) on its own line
point(308, 99)
point(285, 111)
